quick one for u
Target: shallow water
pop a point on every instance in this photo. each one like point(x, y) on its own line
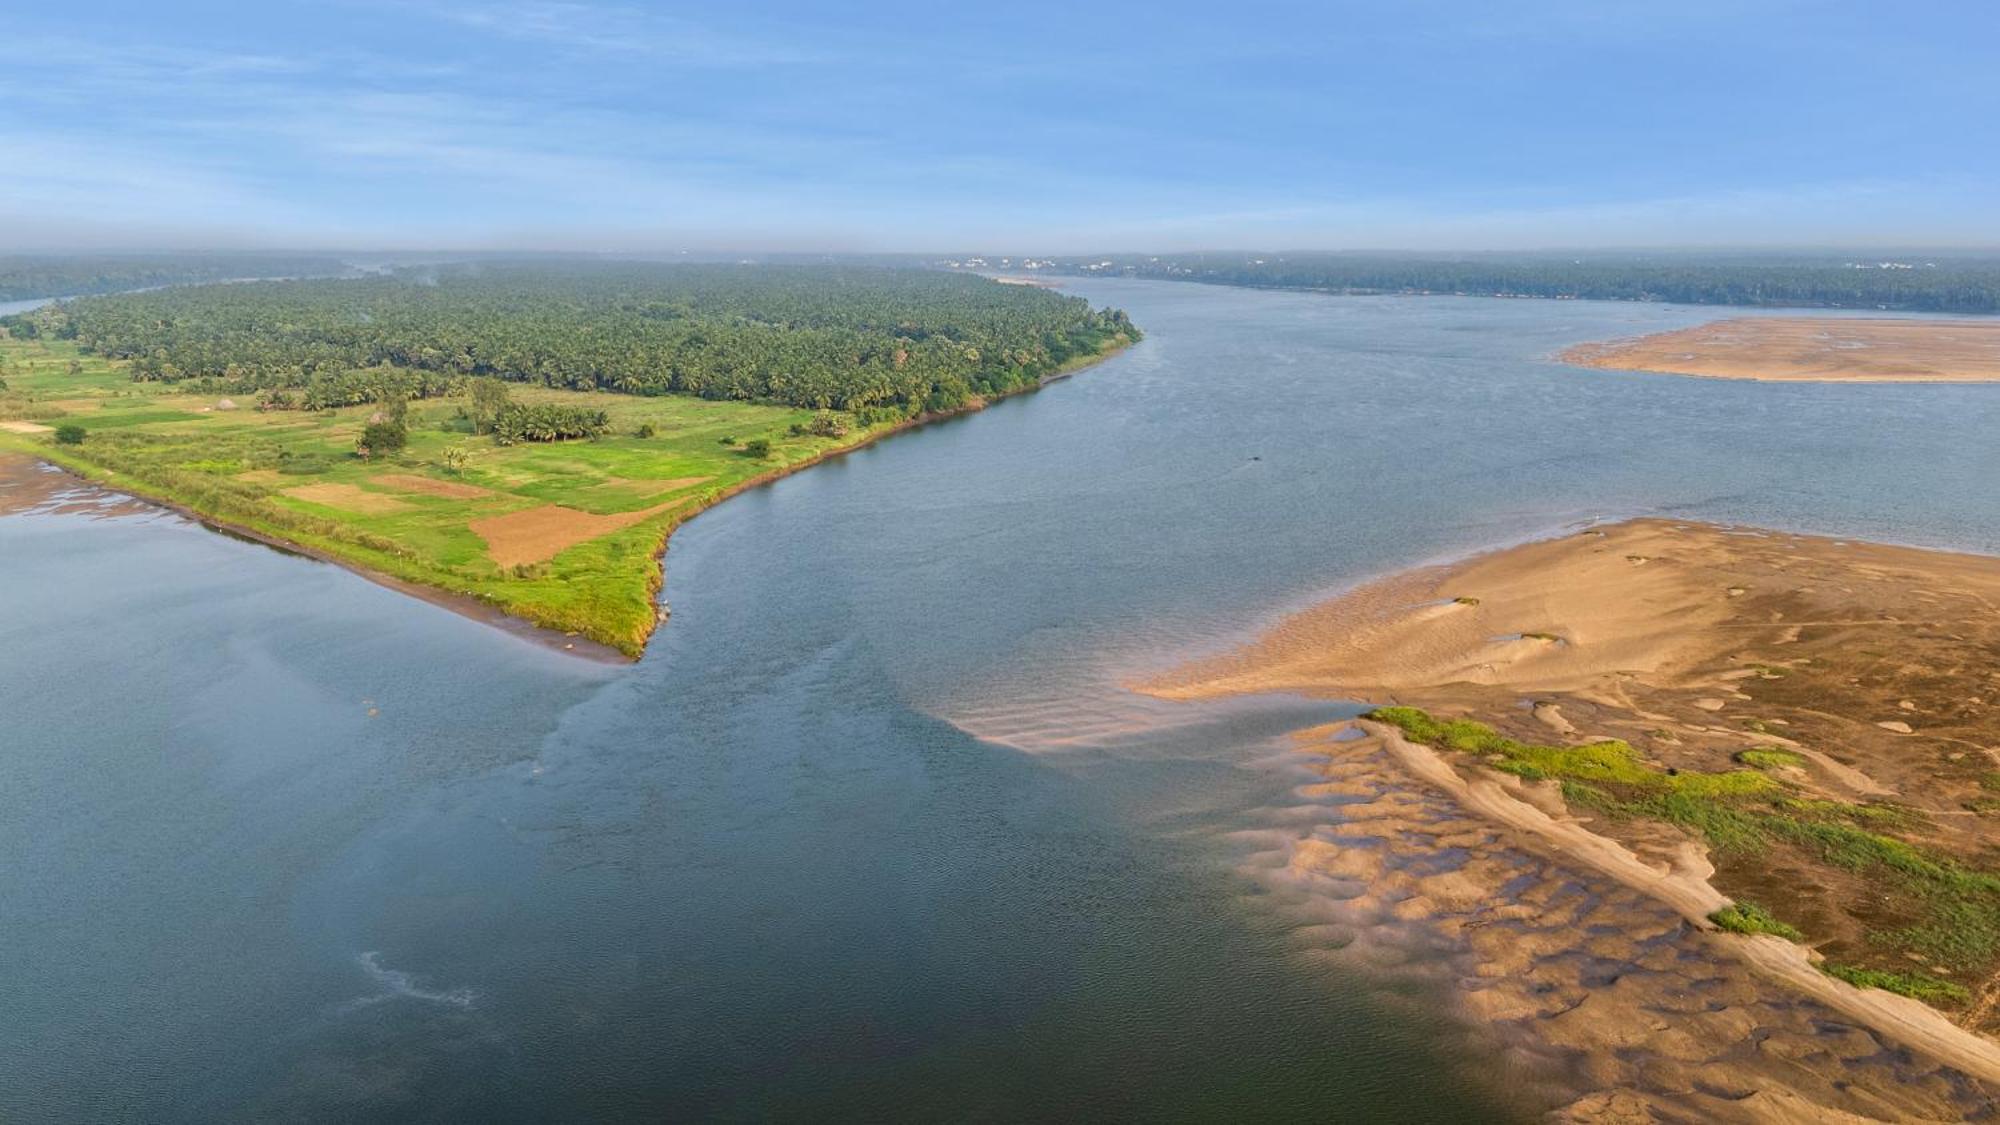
point(871, 830)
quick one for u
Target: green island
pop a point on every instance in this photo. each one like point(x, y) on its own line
point(522, 436)
point(1922, 905)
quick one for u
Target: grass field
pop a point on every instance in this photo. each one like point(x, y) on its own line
point(565, 535)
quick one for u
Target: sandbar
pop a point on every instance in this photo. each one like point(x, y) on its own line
point(1811, 350)
point(1855, 681)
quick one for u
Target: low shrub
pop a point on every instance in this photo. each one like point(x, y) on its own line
point(1915, 985)
point(1749, 918)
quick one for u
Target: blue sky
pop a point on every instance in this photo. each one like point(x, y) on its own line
point(1022, 126)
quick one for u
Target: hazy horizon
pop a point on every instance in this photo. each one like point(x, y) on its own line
point(417, 252)
point(602, 127)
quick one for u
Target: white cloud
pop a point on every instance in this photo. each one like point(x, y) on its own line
point(618, 30)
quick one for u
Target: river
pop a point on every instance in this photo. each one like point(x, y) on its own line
point(871, 830)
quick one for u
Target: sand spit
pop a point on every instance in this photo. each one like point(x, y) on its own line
point(1811, 349)
point(1697, 644)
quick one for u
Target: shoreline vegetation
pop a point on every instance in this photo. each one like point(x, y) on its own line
point(1809, 350)
point(28, 277)
point(508, 479)
point(1908, 282)
point(1792, 742)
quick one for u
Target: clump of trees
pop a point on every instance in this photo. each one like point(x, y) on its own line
point(825, 423)
point(489, 398)
point(69, 433)
point(327, 390)
point(386, 432)
point(382, 438)
point(843, 338)
point(518, 421)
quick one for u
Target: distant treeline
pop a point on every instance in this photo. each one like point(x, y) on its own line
point(24, 277)
point(843, 337)
point(1955, 285)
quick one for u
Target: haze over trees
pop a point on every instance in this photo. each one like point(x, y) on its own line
point(25, 277)
point(870, 340)
point(1911, 282)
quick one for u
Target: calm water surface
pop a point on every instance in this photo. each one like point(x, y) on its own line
point(285, 844)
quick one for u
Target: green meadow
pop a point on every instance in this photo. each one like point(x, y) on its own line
point(566, 535)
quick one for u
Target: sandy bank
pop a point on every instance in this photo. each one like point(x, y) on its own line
point(1858, 678)
point(1578, 993)
point(1811, 350)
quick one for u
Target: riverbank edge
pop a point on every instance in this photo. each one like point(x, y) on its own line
point(1685, 887)
point(606, 646)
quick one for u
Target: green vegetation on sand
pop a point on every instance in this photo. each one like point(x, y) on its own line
point(1771, 758)
point(1913, 900)
point(1940, 993)
point(1749, 918)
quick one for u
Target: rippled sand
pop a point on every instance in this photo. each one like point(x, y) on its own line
point(1582, 941)
point(1608, 1004)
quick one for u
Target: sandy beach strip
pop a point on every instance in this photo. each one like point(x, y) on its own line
point(1811, 349)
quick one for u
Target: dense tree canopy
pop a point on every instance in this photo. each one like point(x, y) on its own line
point(24, 277)
point(1913, 283)
point(851, 338)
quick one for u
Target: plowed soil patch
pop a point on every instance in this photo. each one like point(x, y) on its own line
point(348, 497)
point(450, 490)
point(650, 487)
point(539, 534)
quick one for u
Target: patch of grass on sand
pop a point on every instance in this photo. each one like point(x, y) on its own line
point(1941, 993)
point(1872, 815)
point(1611, 761)
point(1951, 910)
point(1749, 918)
point(1771, 758)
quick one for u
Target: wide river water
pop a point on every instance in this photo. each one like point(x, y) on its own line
point(872, 830)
